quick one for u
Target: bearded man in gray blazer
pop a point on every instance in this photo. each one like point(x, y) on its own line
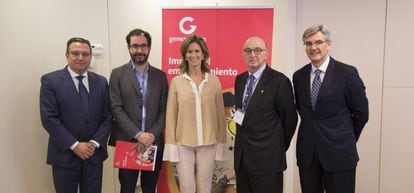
point(138, 95)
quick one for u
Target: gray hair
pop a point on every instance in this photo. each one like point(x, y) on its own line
point(315, 29)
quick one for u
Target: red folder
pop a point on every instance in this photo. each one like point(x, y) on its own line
point(136, 156)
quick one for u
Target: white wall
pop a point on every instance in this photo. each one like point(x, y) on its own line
point(372, 35)
point(33, 39)
point(397, 147)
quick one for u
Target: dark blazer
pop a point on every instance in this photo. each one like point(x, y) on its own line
point(333, 129)
point(63, 118)
point(268, 125)
point(126, 104)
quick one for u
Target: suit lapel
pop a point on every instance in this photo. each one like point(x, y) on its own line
point(257, 93)
point(93, 90)
point(132, 79)
point(240, 87)
point(151, 79)
point(328, 79)
point(307, 85)
point(71, 89)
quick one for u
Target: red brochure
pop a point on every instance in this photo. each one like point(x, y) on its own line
point(129, 155)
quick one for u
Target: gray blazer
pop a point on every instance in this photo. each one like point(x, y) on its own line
point(126, 104)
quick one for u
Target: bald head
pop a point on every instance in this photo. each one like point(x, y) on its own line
point(255, 42)
point(255, 53)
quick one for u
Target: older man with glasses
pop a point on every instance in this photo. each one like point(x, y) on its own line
point(266, 121)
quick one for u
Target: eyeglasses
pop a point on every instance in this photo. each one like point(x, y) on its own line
point(256, 51)
point(316, 43)
point(77, 54)
point(138, 46)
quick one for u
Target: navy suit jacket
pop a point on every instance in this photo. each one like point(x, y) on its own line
point(268, 125)
point(332, 130)
point(126, 104)
point(65, 121)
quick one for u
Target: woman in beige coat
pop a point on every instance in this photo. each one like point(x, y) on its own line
point(195, 120)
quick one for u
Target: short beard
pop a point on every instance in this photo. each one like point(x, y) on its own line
point(139, 62)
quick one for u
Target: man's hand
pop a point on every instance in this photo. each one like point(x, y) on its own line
point(84, 150)
point(146, 138)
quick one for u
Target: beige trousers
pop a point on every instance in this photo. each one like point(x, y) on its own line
point(201, 157)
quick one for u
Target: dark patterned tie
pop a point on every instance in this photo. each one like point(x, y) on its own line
point(316, 85)
point(83, 93)
point(249, 91)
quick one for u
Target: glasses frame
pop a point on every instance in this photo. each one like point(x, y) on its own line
point(256, 51)
point(144, 47)
point(77, 54)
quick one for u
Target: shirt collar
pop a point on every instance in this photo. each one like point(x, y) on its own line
point(187, 77)
point(259, 72)
point(322, 67)
point(73, 74)
point(134, 68)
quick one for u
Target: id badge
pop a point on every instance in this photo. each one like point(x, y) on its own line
point(238, 116)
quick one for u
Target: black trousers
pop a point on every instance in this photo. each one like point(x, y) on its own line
point(128, 178)
point(317, 180)
point(86, 176)
point(251, 183)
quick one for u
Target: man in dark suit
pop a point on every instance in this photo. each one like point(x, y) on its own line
point(74, 109)
point(333, 107)
point(266, 121)
point(138, 94)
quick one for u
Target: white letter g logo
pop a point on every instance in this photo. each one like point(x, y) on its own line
point(181, 25)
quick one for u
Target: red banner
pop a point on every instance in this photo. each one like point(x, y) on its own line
point(225, 32)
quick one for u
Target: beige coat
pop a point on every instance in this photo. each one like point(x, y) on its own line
point(190, 124)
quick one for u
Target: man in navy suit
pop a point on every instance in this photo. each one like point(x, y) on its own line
point(74, 109)
point(138, 93)
point(333, 107)
point(266, 121)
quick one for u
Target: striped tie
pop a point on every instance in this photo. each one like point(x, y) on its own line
point(316, 85)
point(249, 92)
